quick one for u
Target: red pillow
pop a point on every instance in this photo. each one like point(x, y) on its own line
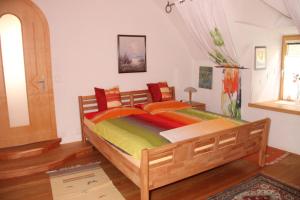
point(140, 105)
point(91, 115)
point(154, 90)
point(101, 99)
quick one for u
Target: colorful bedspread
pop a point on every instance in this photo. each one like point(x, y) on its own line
point(132, 129)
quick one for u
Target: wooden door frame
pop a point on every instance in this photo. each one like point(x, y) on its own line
point(41, 34)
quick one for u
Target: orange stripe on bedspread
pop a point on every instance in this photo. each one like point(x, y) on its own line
point(179, 117)
point(157, 107)
point(115, 113)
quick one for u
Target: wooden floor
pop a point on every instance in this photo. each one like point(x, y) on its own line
point(24, 151)
point(42, 162)
point(37, 187)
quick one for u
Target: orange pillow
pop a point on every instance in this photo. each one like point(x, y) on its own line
point(166, 93)
point(113, 97)
point(157, 107)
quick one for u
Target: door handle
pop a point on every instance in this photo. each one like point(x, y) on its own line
point(42, 85)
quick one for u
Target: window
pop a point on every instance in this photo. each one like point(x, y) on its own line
point(290, 63)
point(11, 44)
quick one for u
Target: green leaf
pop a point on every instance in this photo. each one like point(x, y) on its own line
point(217, 37)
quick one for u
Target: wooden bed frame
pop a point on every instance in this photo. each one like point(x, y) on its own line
point(175, 161)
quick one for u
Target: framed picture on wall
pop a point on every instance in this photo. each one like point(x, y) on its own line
point(132, 53)
point(205, 77)
point(260, 57)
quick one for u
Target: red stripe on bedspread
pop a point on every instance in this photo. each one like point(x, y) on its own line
point(91, 115)
point(159, 121)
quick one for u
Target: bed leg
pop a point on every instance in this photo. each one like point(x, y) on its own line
point(262, 158)
point(83, 136)
point(144, 194)
point(144, 187)
point(83, 139)
point(264, 142)
point(80, 100)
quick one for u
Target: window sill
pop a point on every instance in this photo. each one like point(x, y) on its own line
point(278, 106)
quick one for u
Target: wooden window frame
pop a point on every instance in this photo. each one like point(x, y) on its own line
point(280, 105)
point(285, 38)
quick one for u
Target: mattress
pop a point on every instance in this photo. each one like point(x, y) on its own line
point(132, 129)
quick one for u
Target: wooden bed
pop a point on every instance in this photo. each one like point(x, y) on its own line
point(175, 161)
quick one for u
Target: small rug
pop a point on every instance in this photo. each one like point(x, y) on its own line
point(259, 188)
point(88, 182)
point(273, 156)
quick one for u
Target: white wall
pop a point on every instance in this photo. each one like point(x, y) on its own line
point(253, 23)
point(84, 55)
point(265, 27)
point(84, 51)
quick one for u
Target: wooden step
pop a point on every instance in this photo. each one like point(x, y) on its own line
point(44, 162)
point(29, 150)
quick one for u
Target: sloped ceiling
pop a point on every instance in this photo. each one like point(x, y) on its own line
point(262, 13)
point(265, 14)
point(278, 5)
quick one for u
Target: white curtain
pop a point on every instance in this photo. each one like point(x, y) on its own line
point(203, 16)
point(293, 7)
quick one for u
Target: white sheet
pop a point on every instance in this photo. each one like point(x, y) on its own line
point(198, 129)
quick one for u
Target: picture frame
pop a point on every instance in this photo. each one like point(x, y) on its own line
point(132, 53)
point(205, 77)
point(260, 58)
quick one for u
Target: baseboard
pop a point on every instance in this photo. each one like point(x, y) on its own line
point(70, 138)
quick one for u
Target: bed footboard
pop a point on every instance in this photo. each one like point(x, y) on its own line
point(173, 162)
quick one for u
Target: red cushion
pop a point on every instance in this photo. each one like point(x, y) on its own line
point(140, 105)
point(101, 99)
point(91, 115)
point(154, 90)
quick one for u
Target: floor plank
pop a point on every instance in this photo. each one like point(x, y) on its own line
point(287, 171)
point(28, 150)
point(44, 162)
point(201, 186)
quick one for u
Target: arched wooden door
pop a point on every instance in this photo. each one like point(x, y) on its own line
point(40, 125)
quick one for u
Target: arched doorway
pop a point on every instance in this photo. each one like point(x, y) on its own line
point(26, 92)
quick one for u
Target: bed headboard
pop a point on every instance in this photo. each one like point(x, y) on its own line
point(88, 104)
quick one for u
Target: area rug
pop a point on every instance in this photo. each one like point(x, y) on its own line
point(88, 182)
point(259, 187)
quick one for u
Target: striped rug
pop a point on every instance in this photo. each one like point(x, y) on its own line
point(87, 182)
